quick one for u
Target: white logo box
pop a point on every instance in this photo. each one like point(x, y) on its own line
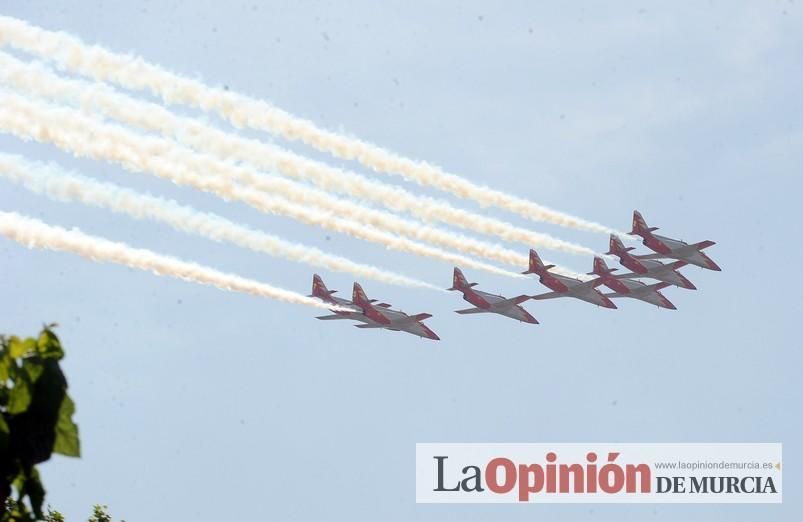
point(599, 473)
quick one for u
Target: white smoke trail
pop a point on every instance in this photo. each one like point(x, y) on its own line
point(34, 79)
point(34, 233)
point(73, 132)
point(161, 151)
point(135, 73)
point(59, 184)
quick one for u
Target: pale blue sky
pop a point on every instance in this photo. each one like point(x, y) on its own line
point(195, 404)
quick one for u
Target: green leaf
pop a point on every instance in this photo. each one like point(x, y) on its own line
point(33, 368)
point(99, 514)
point(67, 442)
point(53, 516)
point(5, 363)
point(17, 348)
point(49, 346)
point(19, 397)
point(21, 394)
point(14, 346)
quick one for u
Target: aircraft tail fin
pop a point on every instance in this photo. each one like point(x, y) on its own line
point(359, 298)
point(601, 267)
point(459, 281)
point(536, 265)
point(640, 227)
point(319, 289)
point(616, 247)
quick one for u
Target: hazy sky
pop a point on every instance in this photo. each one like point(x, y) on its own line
point(196, 404)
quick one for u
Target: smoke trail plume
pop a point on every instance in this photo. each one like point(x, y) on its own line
point(158, 151)
point(73, 132)
point(59, 184)
point(134, 73)
point(34, 233)
point(34, 79)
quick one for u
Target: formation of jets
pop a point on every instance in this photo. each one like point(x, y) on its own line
point(642, 266)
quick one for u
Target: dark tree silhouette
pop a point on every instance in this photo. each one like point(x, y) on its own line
point(35, 420)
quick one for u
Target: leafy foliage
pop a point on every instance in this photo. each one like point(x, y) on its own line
point(35, 421)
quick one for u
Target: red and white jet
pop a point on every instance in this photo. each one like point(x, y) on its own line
point(564, 286)
point(623, 287)
point(668, 273)
point(378, 315)
point(670, 248)
point(490, 303)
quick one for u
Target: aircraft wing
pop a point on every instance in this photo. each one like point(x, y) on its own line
point(412, 318)
point(650, 256)
point(471, 311)
point(513, 300)
point(418, 328)
point(517, 312)
point(642, 290)
point(703, 244)
point(597, 298)
point(370, 325)
point(632, 275)
point(332, 317)
point(548, 295)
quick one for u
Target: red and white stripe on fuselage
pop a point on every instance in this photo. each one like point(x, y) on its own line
point(476, 299)
point(553, 283)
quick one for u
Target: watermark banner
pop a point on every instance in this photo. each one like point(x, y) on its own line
point(598, 473)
